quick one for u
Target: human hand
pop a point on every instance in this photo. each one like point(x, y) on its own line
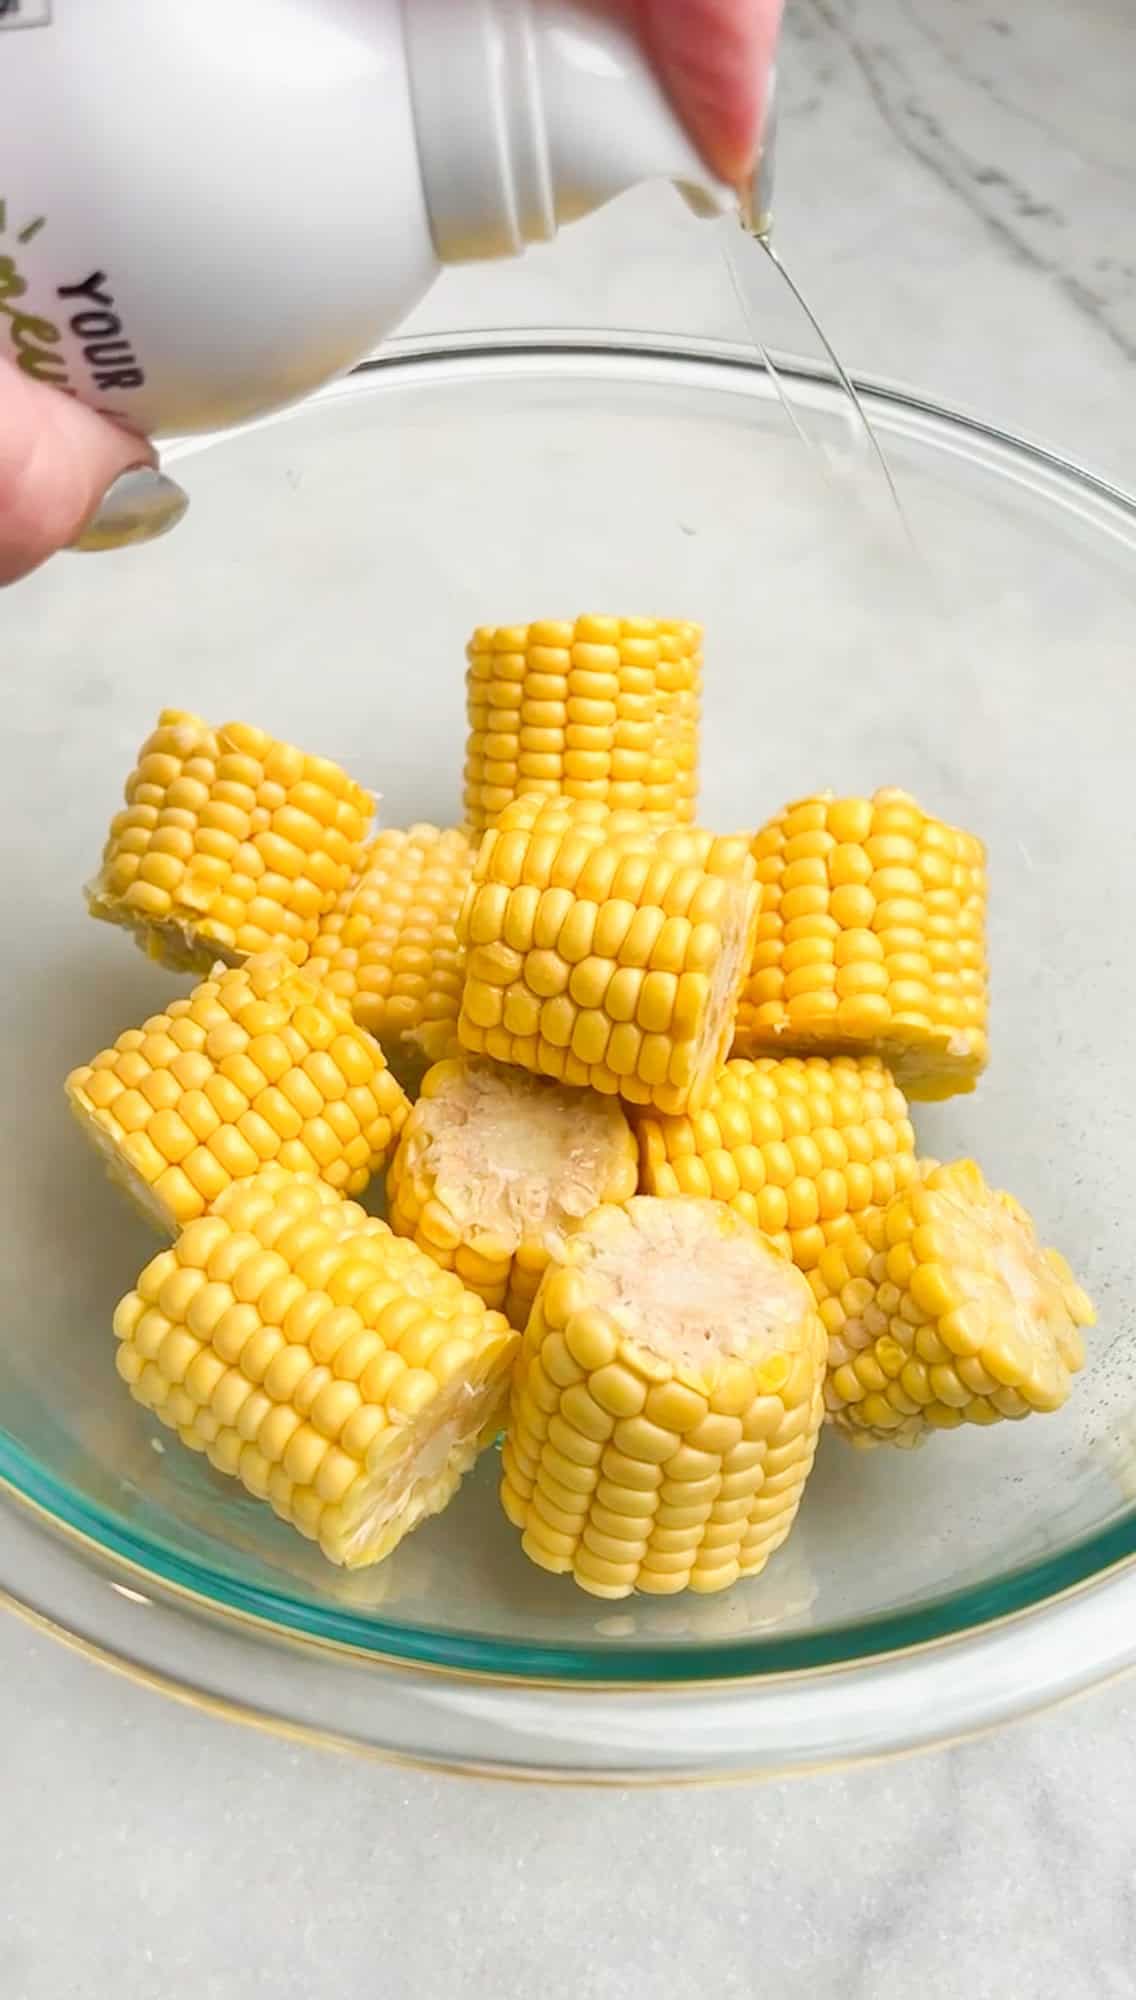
point(716, 59)
point(58, 464)
point(59, 461)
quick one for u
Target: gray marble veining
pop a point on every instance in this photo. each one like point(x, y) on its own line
point(957, 190)
point(981, 101)
point(956, 193)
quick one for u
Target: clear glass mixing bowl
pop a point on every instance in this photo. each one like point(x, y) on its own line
point(324, 585)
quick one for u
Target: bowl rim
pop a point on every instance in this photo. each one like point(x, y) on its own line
point(227, 1664)
point(1105, 1558)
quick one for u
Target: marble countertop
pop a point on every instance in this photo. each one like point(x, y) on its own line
point(196, 1860)
point(956, 192)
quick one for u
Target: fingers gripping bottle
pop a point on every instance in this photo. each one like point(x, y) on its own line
point(208, 211)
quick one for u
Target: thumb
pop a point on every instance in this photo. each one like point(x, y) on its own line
point(57, 461)
point(716, 58)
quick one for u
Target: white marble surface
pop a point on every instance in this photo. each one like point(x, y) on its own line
point(956, 195)
point(153, 1854)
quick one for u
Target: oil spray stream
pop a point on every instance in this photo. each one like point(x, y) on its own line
point(908, 573)
point(748, 254)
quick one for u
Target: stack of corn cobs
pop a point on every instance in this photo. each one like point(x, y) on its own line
point(656, 1210)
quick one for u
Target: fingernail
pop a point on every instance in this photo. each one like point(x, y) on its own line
point(139, 507)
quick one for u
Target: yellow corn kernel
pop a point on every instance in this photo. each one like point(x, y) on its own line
point(604, 951)
point(595, 708)
point(389, 947)
point(259, 1064)
point(230, 843)
point(802, 1148)
point(352, 1455)
point(943, 1309)
point(494, 1165)
point(666, 1402)
point(871, 940)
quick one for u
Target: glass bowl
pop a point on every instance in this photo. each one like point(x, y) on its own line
point(323, 585)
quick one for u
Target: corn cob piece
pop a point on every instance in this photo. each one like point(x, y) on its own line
point(598, 708)
point(319, 1359)
point(258, 1064)
point(678, 729)
point(803, 1149)
point(603, 951)
point(945, 1310)
point(229, 843)
point(494, 1165)
point(390, 950)
point(871, 940)
point(666, 1402)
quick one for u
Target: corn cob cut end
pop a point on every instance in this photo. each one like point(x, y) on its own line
point(494, 1166)
point(666, 1402)
point(230, 843)
point(319, 1359)
point(116, 1165)
point(174, 945)
point(945, 1310)
point(258, 1064)
point(434, 1456)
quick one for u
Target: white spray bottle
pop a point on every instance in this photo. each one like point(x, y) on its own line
point(208, 211)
